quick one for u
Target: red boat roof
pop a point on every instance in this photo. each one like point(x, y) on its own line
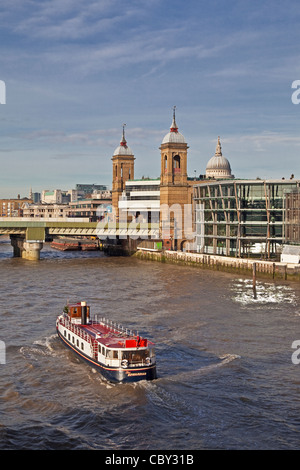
point(114, 339)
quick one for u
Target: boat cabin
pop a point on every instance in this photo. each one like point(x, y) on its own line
point(78, 313)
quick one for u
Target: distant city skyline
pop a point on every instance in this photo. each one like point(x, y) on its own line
point(76, 71)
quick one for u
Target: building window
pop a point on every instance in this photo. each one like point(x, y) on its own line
point(176, 164)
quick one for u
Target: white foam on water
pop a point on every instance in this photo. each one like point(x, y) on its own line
point(224, 359)
point(193, 373)
point(265, 293)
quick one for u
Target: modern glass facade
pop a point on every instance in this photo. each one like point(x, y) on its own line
point(292, 217)
point(241, 217)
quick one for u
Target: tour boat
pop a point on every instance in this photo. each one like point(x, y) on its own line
point(118, 353)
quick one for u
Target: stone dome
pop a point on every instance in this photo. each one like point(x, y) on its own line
point(123, 148)
point(173, 136)
point(218, 166)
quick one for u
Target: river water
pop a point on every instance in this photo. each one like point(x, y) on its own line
point(226, 379)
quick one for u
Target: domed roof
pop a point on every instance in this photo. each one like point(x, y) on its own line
point(218, 165)
point(174, 136)
point(123, 148)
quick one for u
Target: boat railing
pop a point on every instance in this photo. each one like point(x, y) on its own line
point(75, 329)
point(113, 326)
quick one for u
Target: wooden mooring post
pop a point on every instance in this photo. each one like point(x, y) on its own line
point(254, 280)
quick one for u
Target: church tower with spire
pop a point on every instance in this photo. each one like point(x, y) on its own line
point(123, 170)
point(174, 186)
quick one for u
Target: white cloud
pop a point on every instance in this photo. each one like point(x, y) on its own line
point(57, 20)
point(263, 140)
point(91, 138)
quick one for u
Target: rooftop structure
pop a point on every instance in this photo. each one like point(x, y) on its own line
point(173, 136)
point(123, 148)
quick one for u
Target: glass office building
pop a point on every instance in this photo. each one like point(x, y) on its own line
point(242, 217)
point(292, 217)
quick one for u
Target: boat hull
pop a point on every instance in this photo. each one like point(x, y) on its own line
point(65, 246)
point(113, 374)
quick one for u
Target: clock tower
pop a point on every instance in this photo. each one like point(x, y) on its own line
point(174, 186)
point(123, 170)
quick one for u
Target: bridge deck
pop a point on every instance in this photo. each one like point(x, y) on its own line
point(37, 228)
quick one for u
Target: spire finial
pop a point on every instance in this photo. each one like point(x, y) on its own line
point(174, 127)
point(219, 148)
point(123, 141)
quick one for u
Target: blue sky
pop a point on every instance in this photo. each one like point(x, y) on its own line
point(76, 70)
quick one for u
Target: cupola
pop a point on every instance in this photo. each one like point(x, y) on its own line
point(218, 166)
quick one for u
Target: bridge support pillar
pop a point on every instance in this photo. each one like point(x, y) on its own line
point(27, 249)
point(17, 244)
point(32, 250)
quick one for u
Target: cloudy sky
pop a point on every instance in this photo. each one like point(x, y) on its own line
point(76, 70)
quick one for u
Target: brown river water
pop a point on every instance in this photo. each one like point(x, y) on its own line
point(226, 379)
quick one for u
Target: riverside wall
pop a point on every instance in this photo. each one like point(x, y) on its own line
point(269, 269)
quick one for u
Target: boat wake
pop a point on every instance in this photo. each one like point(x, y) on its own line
point(196, 373)
point(265, 293)
point(40, 348)
point(225, 359)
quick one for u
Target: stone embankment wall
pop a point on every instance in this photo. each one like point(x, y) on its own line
point(222, 263)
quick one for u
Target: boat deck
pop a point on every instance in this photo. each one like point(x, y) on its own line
point(109, 336)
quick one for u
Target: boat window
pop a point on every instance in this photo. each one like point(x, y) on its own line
point(82, 346)
point(111, 354)
point(135, 356)
point(103, 350)
point(77, 342)
point(65, 333)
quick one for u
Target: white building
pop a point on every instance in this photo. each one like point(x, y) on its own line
point(57, 196)
point(141, 199)
point(45, 210)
